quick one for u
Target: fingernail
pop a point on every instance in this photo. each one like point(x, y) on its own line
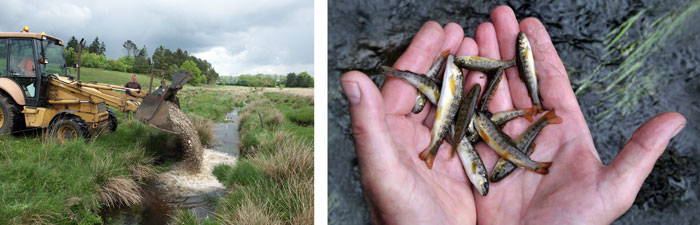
point(352, 92)
point(678, 129)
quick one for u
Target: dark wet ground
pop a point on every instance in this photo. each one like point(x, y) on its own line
point(155, 210)
point(364, 35)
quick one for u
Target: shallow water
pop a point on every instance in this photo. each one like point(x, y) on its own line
point(364, 35)
point(176, 189)
point(227, 133)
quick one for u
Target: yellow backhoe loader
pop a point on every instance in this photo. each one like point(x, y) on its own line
point(37, 92)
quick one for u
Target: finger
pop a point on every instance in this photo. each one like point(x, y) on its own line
point(555, 88)
point(636, 160)
point(398, 95)
point(453, 38)
point(469, 48)
point(507, 29)
point(370, 130)
point(488, 47)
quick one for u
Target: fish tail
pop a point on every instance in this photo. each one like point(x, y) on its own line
point(428, 155)
point(543, 167)
point(552, 117)
point(530, 113)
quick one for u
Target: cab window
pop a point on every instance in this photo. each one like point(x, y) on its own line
point(22, 58)
point(3, 57)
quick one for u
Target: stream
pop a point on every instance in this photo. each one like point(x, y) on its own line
point(364, 35)
point(197, 193)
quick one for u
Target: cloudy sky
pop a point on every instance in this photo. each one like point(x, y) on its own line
point(236, 37)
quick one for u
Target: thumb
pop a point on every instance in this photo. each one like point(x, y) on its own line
point(636, 160)
point(373, 143)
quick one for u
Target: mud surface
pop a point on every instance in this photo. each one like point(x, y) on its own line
point(364, 35)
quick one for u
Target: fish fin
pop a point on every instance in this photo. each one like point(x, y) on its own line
point(445, 52)
point(533, 146)
point(543, 167)
point(552, 117)
point(389, 71)
point(529, 113)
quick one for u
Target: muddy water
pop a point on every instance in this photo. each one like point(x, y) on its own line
point(227, 133)
point(364, 35)
point(179, 188)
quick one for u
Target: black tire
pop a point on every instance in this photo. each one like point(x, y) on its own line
point(112, 124)
point(10, 117)
point(69, 127)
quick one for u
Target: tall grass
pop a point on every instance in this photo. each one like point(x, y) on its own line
point(49, 182)
point(634, 77)
point(273, 184)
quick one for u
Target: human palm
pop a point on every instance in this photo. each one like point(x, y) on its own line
point(401, 189)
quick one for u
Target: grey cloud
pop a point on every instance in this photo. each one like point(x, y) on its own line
point(272, 33)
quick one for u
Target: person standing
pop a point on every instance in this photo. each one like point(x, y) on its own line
point(133, 85)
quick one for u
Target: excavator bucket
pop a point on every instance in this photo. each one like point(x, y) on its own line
point(153, 109)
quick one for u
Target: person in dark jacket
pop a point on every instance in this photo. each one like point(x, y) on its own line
point(133, 85)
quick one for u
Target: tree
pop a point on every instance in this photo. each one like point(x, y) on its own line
point(95, 46)
point(142, 63)
point(73, 43)
point(291, 80)
point(130, 47)
point(305, 80)
point(197, 77)
point(103, 49)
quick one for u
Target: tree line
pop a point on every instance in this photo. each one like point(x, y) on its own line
point(302, 79)
point(137, 60)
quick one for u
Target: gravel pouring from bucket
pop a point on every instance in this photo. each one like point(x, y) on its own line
point(153, 112)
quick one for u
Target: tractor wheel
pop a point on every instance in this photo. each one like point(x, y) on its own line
point(10, 116)
point(69, 127)
point(112, 126)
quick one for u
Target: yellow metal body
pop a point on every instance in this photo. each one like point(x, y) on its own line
point(86, 100)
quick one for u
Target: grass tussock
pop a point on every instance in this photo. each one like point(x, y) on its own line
point(120, 192)
point(273, 183)
point(205, 130)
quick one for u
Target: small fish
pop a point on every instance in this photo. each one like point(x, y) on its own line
point(447, 107)
point(432, 73)
point(465, 114)
point(526, 69)
point(473, 166)
point(503, 168)
point(505, 147)
point(482, 64)
point(424, 84)
point(420, 103)
point(501, 118)
point(491, 88)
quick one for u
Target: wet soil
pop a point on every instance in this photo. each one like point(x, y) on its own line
point(364, 35)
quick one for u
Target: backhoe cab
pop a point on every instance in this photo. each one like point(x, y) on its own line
point(37, 92)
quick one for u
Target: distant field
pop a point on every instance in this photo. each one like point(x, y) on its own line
point(112, 77)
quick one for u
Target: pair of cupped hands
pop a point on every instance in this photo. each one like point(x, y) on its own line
point(579, 189)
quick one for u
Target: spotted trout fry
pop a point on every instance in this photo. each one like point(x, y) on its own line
point(505, 147)
point(503, 168)
point(448, 104)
